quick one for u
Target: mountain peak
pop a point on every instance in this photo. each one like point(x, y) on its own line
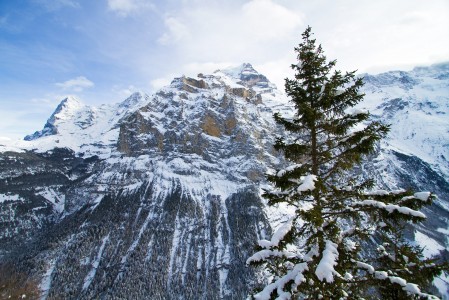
point(67, 107)
point(246, 75)
point(70, 102)
point(239, 71)
point(64, 110)
point(133, 100)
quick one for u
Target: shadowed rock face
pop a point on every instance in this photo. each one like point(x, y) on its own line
point(33, 187)
point(138, 246)
point(170, 208)
point(145, 244)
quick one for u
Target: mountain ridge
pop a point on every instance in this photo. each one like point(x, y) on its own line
point(159, 196)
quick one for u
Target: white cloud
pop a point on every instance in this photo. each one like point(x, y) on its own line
point(77, 84)
point(205, 36)
point(382, 35)
point(158, 83)
point(264, 19)
point(217, 33)
point(42, 101)
point(278, 70)
point(192, 69)
point(176, 31)
point(125, 8)
point(254, 21)
point(123, 92)
point(129, 90)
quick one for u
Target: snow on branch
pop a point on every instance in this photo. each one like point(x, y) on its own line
point(321, 93)
point(410, 288)
point(325, 269)
point(296, 275)
point(282, 172)
point(307, 183)
point(275, 239)
point(423, 196)
point(278, 235)
point(267, 253)
point(369, 268)
point(357, 111)
point(391, 208)
point(377, 193)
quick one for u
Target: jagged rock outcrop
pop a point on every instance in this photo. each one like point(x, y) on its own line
point(214, 118)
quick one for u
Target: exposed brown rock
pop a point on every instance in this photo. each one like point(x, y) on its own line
point(242, 92)
point(230, 124)
point(210, 126)
point(136, 124)
point(201, 84)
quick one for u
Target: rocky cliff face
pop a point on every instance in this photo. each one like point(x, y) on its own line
point(158, 197)
point(162, 202)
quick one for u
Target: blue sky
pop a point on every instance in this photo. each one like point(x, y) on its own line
point(103, 50)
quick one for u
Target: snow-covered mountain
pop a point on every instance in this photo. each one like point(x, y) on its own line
point(83, 129)
point(158, 197)
point(416, 105)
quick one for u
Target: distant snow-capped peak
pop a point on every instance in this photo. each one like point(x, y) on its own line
point(237, 72)
point(70, 103)
point(246, 75)
point(66, 110)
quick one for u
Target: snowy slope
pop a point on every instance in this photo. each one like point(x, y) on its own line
point(416, 104)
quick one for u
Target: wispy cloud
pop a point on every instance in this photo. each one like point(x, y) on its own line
point(160, 82)
point(125, 91)
point(53, 5)
point(77, 84)
point(3, 20)
point(125, 8)
point(176, 31)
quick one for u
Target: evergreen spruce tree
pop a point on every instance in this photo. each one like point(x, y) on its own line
point(317, 253)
